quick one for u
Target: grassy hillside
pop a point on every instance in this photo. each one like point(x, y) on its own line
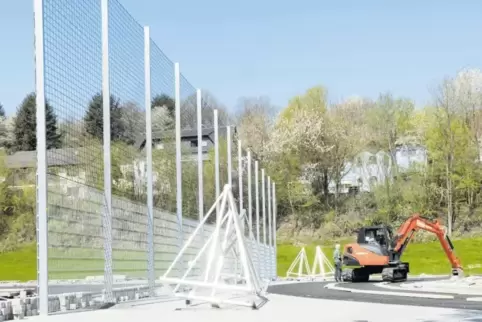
point(426, 258)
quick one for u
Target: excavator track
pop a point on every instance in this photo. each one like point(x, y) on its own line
point(355, 275)
point(395, 274)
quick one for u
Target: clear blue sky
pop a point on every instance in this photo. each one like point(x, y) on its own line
point(281, 48)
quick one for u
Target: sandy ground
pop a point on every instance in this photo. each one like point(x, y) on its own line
point(280, 308)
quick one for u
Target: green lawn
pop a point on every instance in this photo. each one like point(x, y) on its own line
point(426, 258)
point(423, 258)
point(20, 265)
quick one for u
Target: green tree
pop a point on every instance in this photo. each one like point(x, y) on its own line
point(2, 111)
point(94, 117)
point(25, 127)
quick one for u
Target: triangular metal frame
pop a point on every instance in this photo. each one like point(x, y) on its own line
point(300, 262)
point(319, 263)
point(227, 237)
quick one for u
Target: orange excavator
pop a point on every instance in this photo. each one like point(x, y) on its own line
point(379, 251)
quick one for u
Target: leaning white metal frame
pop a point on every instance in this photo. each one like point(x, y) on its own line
point(300, 262)
point(319, 264)
point(213, 279)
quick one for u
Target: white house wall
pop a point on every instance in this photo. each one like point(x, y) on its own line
point(375, 168)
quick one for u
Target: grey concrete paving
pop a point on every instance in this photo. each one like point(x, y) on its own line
point(280, 309)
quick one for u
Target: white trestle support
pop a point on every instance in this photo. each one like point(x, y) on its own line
point(300, 267)
point(322, 267)
point(216, 284)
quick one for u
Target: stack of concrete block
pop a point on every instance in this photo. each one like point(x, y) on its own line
point(6, 311)
point(28, 306)
point(18, 308)
point(69, 302)
point(130, 293)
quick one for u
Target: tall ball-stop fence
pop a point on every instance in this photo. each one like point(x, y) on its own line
point(130, 156)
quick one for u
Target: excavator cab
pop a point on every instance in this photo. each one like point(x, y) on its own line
point(380, 235)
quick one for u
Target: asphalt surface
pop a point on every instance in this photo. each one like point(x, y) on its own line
point(317, 290)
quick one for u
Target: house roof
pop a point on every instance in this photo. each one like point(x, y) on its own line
point(185, 135)
point(55, 157)
point(76, 156)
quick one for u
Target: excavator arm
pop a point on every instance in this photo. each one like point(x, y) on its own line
point(415, 223)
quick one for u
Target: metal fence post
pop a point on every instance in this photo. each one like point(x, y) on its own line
point(250, 210)
point(150, 194)
point(268, 200)
point(256, 180)
point(274, 232)
point(263, 205)
point(258, 242)
point(229, 155)
point(200, 156)
point(216, 161)
point(41, 211)
point(177, 93)
point(240, 179)
point(108, 275)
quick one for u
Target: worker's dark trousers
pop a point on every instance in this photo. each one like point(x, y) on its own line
point(338, 271)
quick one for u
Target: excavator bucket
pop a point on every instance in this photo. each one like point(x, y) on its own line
point(457, 272)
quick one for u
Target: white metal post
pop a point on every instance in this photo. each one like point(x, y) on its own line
point(200, 156)
point(263, 205)
point(268, 201)
point(256, 180)
point(108, 276)
point(42, 219)
point(270, 241)
point(240, 179)
point(150, 193)
point(229, 155)
point(258, 241)
point(250, 210)
point(240, 192)
point(177, 93)
point(274, 232)
point(216, 161)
